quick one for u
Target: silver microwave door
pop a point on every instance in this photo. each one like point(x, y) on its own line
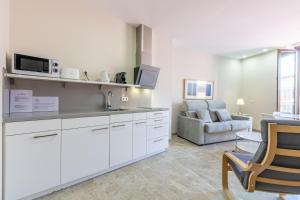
point(148, 78)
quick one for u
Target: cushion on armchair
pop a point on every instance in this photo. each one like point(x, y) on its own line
point(242, 175)
point(204, 115)
point(223, 115)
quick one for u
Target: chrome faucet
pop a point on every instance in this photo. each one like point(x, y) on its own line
point(108, 99)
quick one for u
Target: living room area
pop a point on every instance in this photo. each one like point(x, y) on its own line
point(219, 118)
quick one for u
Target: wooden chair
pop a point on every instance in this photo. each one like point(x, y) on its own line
point(275, 167)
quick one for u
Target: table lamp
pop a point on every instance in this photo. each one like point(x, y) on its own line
point(240, 102)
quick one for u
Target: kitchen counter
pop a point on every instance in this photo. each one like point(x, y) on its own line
point(19, 117)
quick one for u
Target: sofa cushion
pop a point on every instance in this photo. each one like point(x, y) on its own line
point(217, 127)
point(240, 124)
point(204, 115)
point(213, 115)
point(216, 104)
point(194, 105)
point(223, 115)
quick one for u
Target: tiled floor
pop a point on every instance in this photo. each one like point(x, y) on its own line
point(185, 172)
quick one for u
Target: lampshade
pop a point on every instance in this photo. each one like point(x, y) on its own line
point(240, 101)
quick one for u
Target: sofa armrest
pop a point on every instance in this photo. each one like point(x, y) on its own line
point(191, 129)
point(239, 117)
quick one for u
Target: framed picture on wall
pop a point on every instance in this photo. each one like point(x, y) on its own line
point(196, 89)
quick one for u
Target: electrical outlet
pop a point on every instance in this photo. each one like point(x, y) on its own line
point(124, 98)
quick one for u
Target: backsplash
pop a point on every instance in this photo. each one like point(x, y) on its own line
point(84, 97)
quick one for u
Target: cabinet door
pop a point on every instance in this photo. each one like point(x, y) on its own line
point(32, 163)
point(120, 143)
point(156, 131)
point(139, 139)
point(85, 151)
point(157, 144)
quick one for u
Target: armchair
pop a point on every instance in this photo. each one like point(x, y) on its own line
point(275, 167)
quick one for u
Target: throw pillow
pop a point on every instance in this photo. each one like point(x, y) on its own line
point(223, 115)
point(204, 115)
point(213, 116)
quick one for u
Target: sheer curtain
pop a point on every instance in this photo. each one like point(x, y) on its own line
point(287, 81)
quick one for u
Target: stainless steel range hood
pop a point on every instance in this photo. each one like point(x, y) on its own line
point(145, 74)
point(143, 45)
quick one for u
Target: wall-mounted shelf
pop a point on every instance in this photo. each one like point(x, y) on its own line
point(64, 81)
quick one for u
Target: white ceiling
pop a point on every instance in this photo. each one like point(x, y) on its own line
point(232, 28)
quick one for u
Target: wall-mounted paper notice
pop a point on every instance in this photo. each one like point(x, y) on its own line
point(40, 104)
point(20, 101)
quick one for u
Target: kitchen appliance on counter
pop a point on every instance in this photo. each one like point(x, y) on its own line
point(70, 73)
point(36, 66)
point(120, 77)
point(104, 76)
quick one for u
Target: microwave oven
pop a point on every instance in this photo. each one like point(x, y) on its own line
point(35, 66)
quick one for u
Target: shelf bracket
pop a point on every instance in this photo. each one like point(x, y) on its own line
point(126, 88)
point(63, 84)
point(11, 81)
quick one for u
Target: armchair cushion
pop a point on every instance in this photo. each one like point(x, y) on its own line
point(217, 127)
point(240, 125)
point(204, 115)
point(223, 115)
point(242, 175)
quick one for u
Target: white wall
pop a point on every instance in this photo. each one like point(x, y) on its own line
point(162, 58)
point(82, 35)
point(259, 85)
point(77, 32)
point(4, 41)
point(229, 82)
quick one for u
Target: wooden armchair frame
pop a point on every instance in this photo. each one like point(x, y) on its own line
point(257, 168)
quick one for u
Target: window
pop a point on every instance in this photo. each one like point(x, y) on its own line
point(287, 81)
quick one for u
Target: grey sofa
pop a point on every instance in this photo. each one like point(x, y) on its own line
point(199, 132)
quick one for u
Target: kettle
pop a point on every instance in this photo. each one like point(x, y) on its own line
point(104, 76)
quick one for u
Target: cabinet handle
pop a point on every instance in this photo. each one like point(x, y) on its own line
point(158, 126)
point(99, 129)
point(41, 136)
point(158, 140)
point(118, 126)
point(140, 123)
point(158, 120)
point(158, 113)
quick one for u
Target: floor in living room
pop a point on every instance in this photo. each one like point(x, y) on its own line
point(185, 172)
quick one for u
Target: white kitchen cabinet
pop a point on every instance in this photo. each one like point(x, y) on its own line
point(85, 151)
point(15, 128)
point(157, 144)
point(84, 122)
point(139, 138)
point(156, 131)
point(120, 143)
point(157, 114)
point(32, 163)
